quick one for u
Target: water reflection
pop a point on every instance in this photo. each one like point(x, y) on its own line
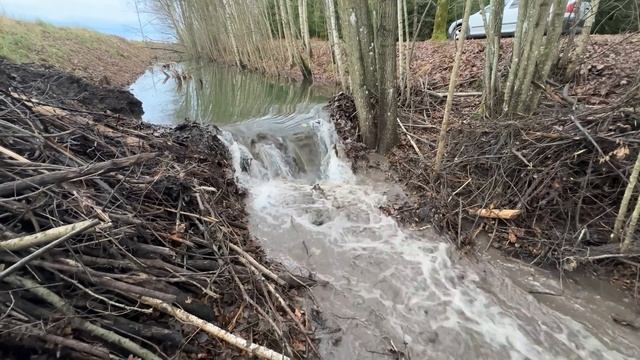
point(219, 94)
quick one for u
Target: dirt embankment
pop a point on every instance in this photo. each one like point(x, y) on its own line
point(563, 170)
point(149, 227)
point(100, 58)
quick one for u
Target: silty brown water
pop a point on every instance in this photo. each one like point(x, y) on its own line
point(387, 287)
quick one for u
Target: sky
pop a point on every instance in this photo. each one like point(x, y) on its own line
point(117, 17)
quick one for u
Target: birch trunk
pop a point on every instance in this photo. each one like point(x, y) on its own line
point(534, 52)
point(550, 50)
point(532, 57)
point(287, 10)
point(515, 54)
point(231, 33)
point(631, 230)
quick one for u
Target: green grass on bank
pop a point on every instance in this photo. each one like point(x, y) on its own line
point(40, 42)
point(86, 53)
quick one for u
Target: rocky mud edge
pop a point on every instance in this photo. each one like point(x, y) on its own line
point(545, 189)
point(124, 240)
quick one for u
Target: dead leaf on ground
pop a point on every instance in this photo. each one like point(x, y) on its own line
point(621, 152)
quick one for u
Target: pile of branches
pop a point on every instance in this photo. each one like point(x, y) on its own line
point(122, 240)
point(547, 188)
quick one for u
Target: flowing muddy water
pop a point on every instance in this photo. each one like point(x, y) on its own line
point(386, 287)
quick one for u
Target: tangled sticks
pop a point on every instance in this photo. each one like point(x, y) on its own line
point(547, 187)
point(118, 239)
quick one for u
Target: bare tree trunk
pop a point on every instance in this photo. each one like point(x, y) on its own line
point(452, 86)
point(370, 35)
point(568, 45)
point(624, 204)
point(401, 53)
point(492, 97)
point(405, 65)
point(231, 34)
point(440, 23)
point(631, 230)
point(287, 10)
point(550, 49)
point(356, 25)
point(583, 39)
point(286, 29)
point(532, 56)
point(334, 40)
point(387, 110)
point(304, 27)
point(412, 48)
point(515, 54)
point(536, 24)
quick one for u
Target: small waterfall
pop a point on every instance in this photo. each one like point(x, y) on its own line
point(301, 147)
point(387, 284)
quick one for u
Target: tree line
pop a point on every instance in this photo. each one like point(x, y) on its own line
point(372, 46)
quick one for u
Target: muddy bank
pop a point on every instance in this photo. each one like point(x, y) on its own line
point(150, 232)
point(563, 170)
point(51, 85)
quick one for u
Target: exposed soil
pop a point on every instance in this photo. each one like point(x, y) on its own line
point(52, 85)
point(548, 165)
point(172, 227)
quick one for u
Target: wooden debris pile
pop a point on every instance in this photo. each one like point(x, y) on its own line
point(545, 188)
point(122, 240)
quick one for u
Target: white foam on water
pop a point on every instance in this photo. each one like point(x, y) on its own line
point(391, 283)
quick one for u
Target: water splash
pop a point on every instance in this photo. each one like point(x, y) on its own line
point(387, 284)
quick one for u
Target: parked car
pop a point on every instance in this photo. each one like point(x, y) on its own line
point(510, 18)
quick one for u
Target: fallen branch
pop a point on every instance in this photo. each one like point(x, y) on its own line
point(57, 177)
point(211, 329)
point(455, 94)
point(78, 322)
point(72, 231)
point(12, 154)
point(506, 214)
point(91, 349)
point(43, 237)
point(257, 265)
point(413, 143)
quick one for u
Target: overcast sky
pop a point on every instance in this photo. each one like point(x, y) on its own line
point(118, 17)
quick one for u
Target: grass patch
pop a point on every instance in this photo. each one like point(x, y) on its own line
point(41, 42)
